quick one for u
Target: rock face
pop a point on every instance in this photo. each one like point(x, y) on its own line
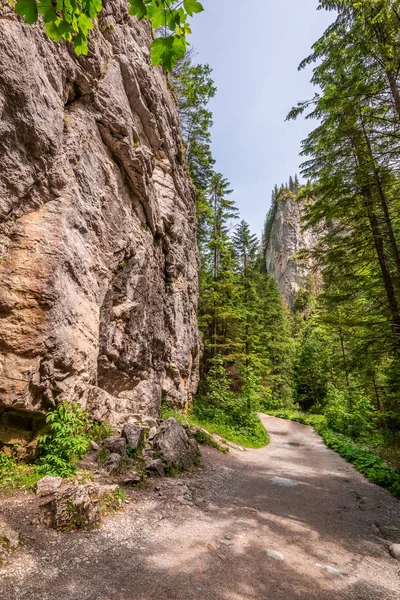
point(98, 267)
point(285, 240)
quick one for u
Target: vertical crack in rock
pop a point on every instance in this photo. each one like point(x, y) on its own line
point(98, 256)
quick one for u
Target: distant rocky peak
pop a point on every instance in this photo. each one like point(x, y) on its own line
point(285, 239)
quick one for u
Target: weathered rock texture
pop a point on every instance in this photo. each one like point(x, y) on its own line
point(98, 268)
point(286, 239)
point(76, 505)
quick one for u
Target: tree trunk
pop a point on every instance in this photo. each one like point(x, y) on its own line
point(385, 207)
point(344, 355)
point(386, 276)
point(394, 91)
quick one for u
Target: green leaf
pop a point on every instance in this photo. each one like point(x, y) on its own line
point(192, 6)
point(165, 51)
point(157, 16)
point(84, 24)
point(93, 7)
point(173, 19)
point(159, 49)
point(80, 44)
point(179, 46)
point(56, 31)
point(27, 9)
point(137, 9)
point(49, 14)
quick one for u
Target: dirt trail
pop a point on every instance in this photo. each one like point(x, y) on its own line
point(290, 521)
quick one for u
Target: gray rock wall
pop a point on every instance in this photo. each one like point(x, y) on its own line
point(98, 268)
point(286, 239)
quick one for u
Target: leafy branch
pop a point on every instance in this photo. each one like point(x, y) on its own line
point(71, 20)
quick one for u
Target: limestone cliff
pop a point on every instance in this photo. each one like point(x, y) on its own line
point(98, 268)
point(286, 238)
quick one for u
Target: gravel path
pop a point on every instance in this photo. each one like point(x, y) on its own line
point(290, 521)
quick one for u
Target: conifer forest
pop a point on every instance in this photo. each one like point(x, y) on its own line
point(193, 405)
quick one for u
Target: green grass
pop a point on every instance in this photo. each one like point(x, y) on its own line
point(363, 457)
point(14, 475)
point(253, 436)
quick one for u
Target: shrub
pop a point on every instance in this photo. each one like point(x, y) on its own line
point(100, 431)
point(7, 463)
point(348, 412)
point(66, 441)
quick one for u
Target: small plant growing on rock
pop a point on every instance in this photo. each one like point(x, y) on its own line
point(65, 442)
point(112, 501)
point(100, 431)
point(103, 455)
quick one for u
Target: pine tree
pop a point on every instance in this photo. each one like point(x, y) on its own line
point(216, 310)
point(353, 339)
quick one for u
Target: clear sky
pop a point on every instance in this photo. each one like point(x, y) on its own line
point(254, 48)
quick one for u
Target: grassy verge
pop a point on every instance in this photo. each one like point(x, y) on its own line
point(372, 466)
point(14, 475)
point(253, 436)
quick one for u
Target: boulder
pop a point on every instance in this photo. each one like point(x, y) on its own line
point(116, 445)
point(155, 466)
point(112, 463)
point(94, 446)
point(76, 506)
point(48, 485)
point(132, 478)
point(133, 433)
point(176, 448)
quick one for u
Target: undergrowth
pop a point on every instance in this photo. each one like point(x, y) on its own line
point(63, 443)
point(250, 433)
point(66, 441)
point(15, 475)
point(362, 456)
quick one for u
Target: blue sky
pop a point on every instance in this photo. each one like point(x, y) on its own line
point(254, 49)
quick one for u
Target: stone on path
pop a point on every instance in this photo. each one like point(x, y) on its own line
point(226, 542)
point(275, 555)
point(330, 570)
point(395, 551)
point(333, 571)
point(283, 482)
point(132, 478)
point(155, 466)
